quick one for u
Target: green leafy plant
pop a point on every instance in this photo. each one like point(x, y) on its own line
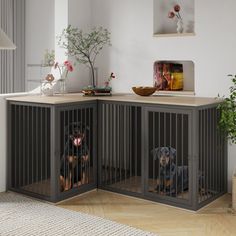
point(84, 47)
point(227, 122)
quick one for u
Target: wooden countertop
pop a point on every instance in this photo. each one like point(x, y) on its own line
point(133, 98)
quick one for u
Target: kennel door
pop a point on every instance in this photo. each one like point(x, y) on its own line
point(168, 144)
point(77, 148)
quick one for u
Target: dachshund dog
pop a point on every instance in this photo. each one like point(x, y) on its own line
point(74, 158)
point(172, 179)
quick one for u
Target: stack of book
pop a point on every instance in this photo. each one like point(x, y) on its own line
point(97, 91)
point(168, 76)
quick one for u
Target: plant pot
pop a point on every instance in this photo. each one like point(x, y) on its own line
point(234, 192)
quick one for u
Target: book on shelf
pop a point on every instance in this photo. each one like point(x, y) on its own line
point(102, 94)
point(100, 91)
point(168, 76)
point(97, 91)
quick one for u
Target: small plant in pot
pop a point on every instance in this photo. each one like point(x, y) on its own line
point(227, 124)
point(85, 47)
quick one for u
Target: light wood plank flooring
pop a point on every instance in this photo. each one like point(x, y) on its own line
point(215, 219)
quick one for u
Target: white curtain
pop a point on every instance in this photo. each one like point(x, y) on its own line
point(12, 63)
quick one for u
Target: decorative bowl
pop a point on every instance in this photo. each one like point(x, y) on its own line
point(144, 91)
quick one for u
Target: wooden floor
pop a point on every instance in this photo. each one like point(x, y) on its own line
point(215, 219)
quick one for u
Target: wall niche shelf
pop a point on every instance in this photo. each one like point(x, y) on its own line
point(164, 26)
point(174, 35)
point(167, 71)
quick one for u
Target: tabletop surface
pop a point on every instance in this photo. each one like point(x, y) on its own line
point(154, 99)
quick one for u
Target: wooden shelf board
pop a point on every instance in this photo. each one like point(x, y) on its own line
point(173, 34)
point(174, 93)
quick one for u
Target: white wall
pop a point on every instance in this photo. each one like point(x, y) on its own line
point(134, 49)
point(60, 23)
point(45, 20)
point(39, 27)
point(79, 13)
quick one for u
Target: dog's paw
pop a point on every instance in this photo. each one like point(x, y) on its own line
point(202, 192)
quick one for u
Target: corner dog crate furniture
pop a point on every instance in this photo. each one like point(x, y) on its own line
point(42, 162)
point(165, 149)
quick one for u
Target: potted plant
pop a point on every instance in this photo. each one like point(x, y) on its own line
point(227, 124)
point(85, 47)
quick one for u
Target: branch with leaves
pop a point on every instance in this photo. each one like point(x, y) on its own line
point(84, 47)
point(227, 122)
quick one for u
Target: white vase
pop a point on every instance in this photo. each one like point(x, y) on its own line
point(180, 26)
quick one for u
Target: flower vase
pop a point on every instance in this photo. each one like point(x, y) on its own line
point(180, 26)
point(62, 86)
point(94, 83)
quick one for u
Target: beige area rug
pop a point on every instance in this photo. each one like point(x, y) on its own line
point(22, 216)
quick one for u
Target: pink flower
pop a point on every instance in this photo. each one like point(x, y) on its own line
point(177, 8)
point(69, 66)
point(171, 14)
point(176, 12)
point(65, 67)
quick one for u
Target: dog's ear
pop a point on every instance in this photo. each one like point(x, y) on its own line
point(156, 152)
point(172, 152)
point(82, 135)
